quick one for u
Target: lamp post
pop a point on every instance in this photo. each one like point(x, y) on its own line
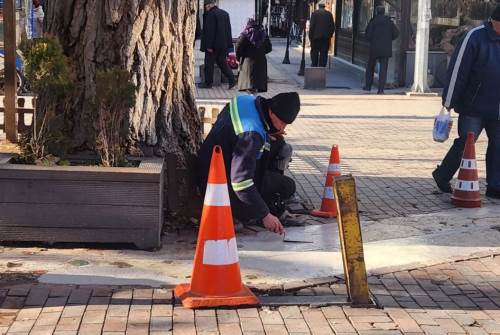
point(9, 17)
point(303, 61)
point(286, 60)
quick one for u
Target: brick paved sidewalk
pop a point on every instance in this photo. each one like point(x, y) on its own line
point(457, 298)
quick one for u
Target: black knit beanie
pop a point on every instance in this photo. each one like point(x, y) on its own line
point(286, 106)
point(496, 14)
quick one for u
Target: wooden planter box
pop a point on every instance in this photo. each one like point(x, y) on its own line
point(82, 204)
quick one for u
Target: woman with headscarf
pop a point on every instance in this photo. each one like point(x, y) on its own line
point(251, 49)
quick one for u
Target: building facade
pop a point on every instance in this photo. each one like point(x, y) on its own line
point(450, 19)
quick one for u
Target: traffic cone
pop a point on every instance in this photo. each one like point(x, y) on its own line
point(216, 278)
point(466, 193)
point(328, 204)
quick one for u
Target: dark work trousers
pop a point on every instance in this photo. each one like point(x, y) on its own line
point(382, 76)
point(274, 183)
point(319, 52)
point(218, 57)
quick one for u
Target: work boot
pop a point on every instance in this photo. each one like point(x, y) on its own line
point(231, 85)
point(492, 193)
point(380, 92)
point(366, 88)
point(443, 185)
point(238, 226)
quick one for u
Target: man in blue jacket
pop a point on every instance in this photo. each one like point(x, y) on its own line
point(250, 131)
point(473, 91)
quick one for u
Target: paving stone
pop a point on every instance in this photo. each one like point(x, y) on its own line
point(37, 296)
point(296, 325)
point(115, 324)
point(248, 313)
point(423, 319)
point(206, 324)
point(47, 319)
point(73, 311)
point(333, 312)
point(275, 330)
point(234, 329)
point(79, 296)
point(21, 326)
point(270, 317)
point(434, 330)
point(290, 312)
point(184, 329)
point(68, 324)
point(42, 330)
point(405, 322)
point(341, 326)
point(164, 323)
point(251, 325)
point(29, 313)
point(94, 317)
point(139, 316)
point(227, 316)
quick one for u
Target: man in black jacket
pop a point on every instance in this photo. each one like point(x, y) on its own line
point(381, 31)
point(321, 31)
point(473, 91)
point(216, 41)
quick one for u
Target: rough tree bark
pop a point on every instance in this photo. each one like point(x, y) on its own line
point(153, 39)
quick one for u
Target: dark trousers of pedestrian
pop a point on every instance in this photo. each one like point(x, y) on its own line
point(382, 76)
point(453, 158)
point(217, 57)
point(319, 52)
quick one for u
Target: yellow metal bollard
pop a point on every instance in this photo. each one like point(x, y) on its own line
point(351, 240)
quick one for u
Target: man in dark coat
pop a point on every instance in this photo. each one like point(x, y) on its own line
point(250, 132)
point(216, 41)
point(321, 30)
point(473, 91)
point(381, 31)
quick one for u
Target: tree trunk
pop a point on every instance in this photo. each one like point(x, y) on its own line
point(153, 39)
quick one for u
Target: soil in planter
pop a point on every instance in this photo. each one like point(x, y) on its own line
point(56, 161)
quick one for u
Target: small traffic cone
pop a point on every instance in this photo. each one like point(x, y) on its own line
point(466, 193)
point(216, 278)
point(328, 205)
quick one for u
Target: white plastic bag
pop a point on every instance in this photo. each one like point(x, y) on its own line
point(442, 126)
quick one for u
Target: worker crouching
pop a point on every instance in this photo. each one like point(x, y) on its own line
point(251, 132)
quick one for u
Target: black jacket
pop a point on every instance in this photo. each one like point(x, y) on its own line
point(381, 31)
point(253, 64)
point(240, 162)
point(322, 25)
point(475, 87)
point(216, 30)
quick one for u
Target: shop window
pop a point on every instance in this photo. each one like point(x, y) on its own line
point(347, 15)
point(365, 15)
point(450, 20)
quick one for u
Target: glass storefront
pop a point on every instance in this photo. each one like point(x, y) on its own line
point(450, 19)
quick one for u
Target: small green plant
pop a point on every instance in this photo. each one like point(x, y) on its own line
point(48, 76)
point(115, 95)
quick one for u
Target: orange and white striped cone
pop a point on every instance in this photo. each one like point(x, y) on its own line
point(466, 192)
point(328, 204)
point(216, 278)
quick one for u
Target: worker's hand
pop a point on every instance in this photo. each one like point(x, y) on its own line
point(210, 50)
point(273, 224)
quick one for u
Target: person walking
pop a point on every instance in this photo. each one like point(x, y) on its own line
point(380, 32)
point(321, 30)
point(216, 41)
point(38, 17)
point(251, 49)
point(473, 91)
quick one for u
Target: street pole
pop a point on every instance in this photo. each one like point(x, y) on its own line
point(286, 60)
point(269, 18)
point(420, 84)
point(9, 20)
point(303, 61)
